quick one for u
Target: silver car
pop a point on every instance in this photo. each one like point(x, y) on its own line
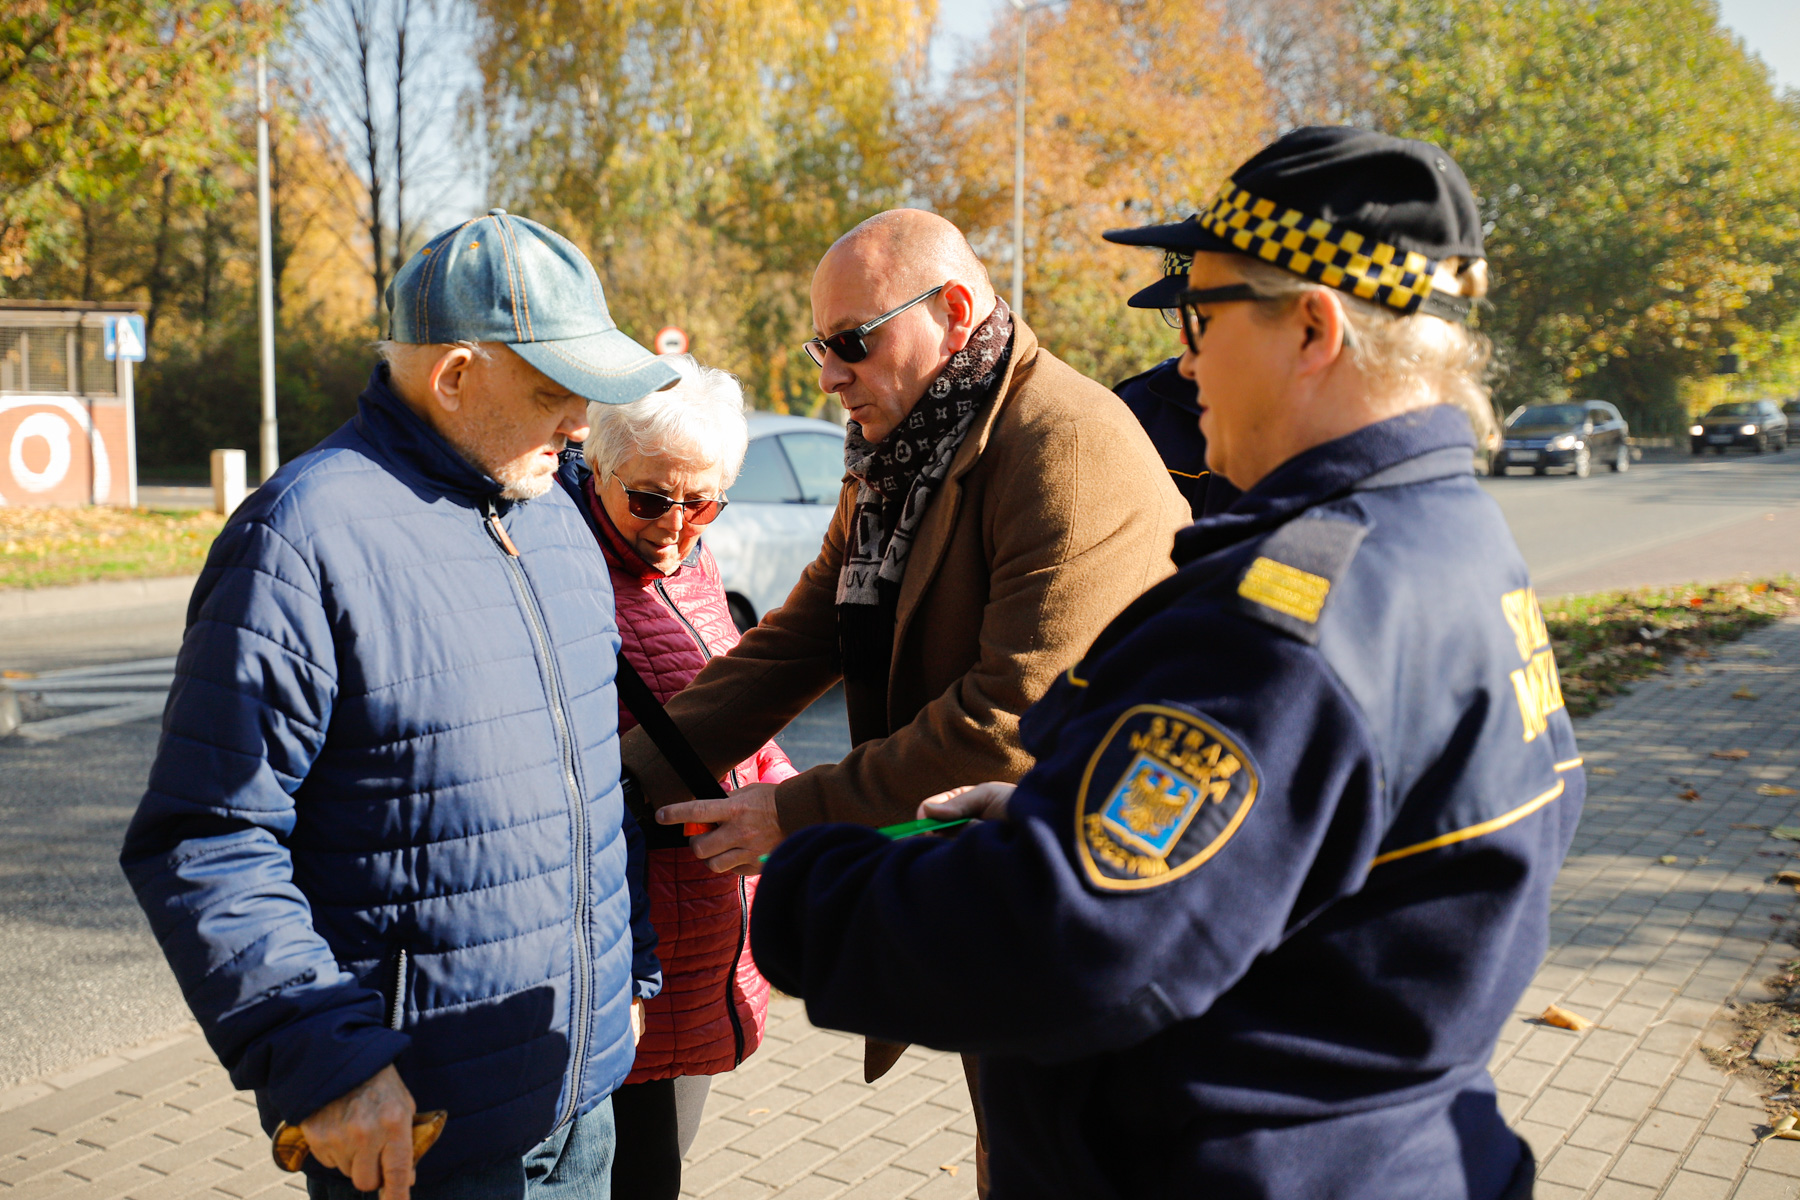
point(780, 507)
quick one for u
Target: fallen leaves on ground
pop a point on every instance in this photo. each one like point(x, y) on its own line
point(1776, 789)
point(950, 1169)
point(1688, 794)
point(1756, 828)
point(1732, 755)
point(1601, 771)
point(1743, 693)
point(1562, 1018)
point(1787, 833)
point(1668, 860)
point(1606, 641)
point(1752, 1020)
point(1782, 1128)
point(47, 547)
point(1787, 877)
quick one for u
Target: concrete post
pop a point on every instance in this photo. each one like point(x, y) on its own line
point(227, 480)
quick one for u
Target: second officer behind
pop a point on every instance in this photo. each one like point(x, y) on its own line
point(1252, 925)
point(1166, 402)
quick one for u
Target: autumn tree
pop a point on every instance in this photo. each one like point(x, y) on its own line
point(97, 96)
point(1640, 178)
point(1135, 112)
point(704, 152)
point(370, 75)
point(1310, 56)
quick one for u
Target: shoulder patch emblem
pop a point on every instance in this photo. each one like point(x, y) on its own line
point(1162, 794)
point(1290, 580)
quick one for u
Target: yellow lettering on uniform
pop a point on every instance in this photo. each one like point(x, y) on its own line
point(1527, 621)
point(1539, 692)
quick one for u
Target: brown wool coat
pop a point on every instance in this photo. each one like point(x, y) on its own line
point(1056, 514)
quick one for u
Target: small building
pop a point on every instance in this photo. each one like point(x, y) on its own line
point(67, 430)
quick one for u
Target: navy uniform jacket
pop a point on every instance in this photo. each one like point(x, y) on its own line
point(1279, 876)
point(1168, 408)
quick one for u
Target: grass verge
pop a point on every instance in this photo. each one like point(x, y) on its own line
point(1606, 641)
point(49, 547)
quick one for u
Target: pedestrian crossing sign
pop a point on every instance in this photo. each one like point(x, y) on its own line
point(125, 338)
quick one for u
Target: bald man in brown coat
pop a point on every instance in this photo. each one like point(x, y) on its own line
point(999, 509)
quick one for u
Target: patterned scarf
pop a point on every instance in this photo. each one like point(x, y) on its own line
point(898, 476)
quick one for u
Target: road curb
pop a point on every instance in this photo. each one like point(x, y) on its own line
point(47, 610)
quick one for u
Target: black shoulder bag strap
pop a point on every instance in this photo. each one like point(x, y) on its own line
point(665, 733)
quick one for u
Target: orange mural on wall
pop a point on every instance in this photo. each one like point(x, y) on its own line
point(65, 410)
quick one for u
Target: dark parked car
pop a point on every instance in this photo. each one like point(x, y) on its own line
point(1571, 436)
point(1756, 424)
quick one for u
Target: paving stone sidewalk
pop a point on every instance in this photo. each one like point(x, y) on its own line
point(1653, 952)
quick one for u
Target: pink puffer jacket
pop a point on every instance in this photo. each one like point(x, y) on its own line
point(710, 1014)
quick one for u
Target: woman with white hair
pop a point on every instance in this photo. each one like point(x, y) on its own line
point(657, 474)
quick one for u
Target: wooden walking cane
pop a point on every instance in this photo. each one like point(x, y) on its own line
point(289, 1149)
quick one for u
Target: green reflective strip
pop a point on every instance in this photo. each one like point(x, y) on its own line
point(909, 828)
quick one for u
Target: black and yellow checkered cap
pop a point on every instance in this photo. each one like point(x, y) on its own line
point(1372, 215)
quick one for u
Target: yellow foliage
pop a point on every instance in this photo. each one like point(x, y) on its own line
point(704, 152)
point(1135, 113)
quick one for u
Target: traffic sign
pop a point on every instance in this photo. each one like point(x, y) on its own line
point(125, 338)
point(671, 340)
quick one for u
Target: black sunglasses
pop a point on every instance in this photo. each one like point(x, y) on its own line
point(651, 506)
point(849, 345)
point(1193, 321)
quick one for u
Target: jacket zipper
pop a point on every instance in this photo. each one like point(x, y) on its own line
point(737, 1024)
point(579, 1017)
point(397, 1004)
point(682, 617)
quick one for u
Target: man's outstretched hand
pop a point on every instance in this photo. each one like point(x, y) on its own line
point(982, 802)
point(367, 1134)
point(747, 827)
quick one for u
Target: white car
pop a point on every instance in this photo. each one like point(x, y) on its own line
point(780, 508)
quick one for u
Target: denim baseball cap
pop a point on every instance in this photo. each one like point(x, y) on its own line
point(502, 278)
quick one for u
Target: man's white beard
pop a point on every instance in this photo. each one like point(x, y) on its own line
point(516, 480)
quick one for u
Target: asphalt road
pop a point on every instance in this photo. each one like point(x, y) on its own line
point(1673, 518)
point(80, 976)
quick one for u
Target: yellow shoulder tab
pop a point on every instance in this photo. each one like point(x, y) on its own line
point(1288, 590)
point(1290, 580)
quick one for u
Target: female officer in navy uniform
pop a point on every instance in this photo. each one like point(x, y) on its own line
point(1252, 924)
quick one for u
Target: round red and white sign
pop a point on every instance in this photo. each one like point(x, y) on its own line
point(671, 340)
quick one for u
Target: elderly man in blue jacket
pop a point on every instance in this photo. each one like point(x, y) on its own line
point(383, 845)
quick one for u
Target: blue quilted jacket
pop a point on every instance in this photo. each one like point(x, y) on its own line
point(384, 823)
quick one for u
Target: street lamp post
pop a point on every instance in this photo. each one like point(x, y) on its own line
point(265, 274)
point(1018, 255)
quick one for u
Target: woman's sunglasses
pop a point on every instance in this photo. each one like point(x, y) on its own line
point(1193, 321)
point(650, 506)
point(849, 345)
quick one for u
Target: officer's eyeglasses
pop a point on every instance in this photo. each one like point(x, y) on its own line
point(849, 345)
point(651, 506)
point(1194, 322)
